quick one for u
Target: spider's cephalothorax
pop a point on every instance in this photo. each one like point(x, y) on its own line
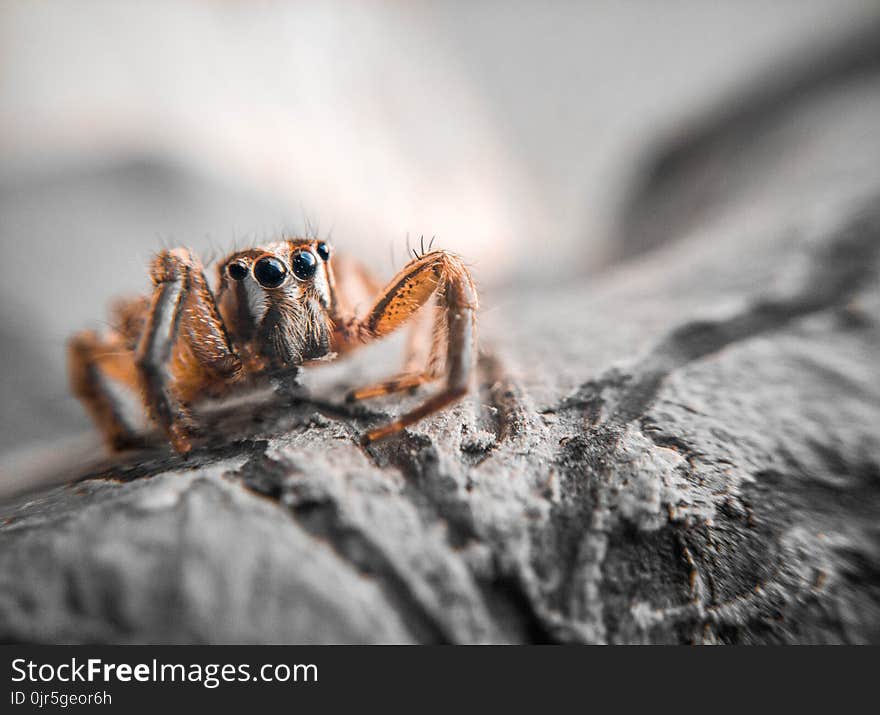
point(273, 309)
point(276, 304)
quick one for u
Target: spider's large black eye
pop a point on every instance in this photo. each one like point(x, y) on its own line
point(237, 271)
point(304, 264)
point(323, 251)
point(270, 272)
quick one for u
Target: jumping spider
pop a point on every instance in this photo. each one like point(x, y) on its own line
point(275, 308)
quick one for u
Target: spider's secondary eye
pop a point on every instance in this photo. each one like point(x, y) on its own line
point(304, 265)
point(237, 271)
point(270, 272)
point(323, 251)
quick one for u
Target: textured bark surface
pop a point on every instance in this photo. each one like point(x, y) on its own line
point(683, 449)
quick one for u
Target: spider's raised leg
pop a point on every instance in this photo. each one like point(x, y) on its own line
point(183, 314)
point(442, 276)
point(94, 363)
point(420, 365)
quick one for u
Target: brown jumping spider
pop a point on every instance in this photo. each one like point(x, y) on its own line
point(275, 308)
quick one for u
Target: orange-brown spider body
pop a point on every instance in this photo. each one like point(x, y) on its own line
point(273, 309)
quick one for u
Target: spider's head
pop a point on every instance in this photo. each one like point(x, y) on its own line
point(277, 298)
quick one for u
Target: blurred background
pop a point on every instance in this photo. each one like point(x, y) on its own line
point(510, 130)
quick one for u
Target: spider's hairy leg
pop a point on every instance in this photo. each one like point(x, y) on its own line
point(443, 277)
point(182, 310)
point(92, 363)
point(400, 383)
point(419, 364)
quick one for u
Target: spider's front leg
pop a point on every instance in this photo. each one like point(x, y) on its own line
point(443, 277)
point(183, 313)
point(419, 365)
